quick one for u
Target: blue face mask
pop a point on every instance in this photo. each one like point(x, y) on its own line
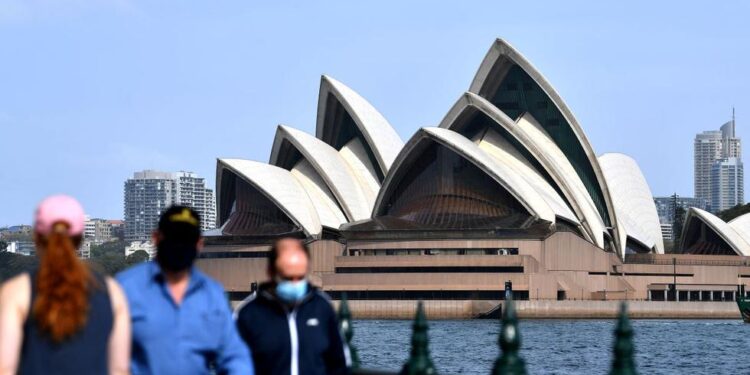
point(291, 291)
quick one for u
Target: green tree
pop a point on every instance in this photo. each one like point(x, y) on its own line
point(734, 212)
point(669, 247)
point(3, 246)
point(13, 264)
point(109, 257)
point(109, 264)
point(677, 224)
point(139, 256)
point(21, 236)
point(114, 247)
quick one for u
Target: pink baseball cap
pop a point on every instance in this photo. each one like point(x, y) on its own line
point(59, 208)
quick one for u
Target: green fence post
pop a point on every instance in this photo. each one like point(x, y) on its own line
point(419, 362)
point(345, 327)
point(509, 363)
point(623, 362)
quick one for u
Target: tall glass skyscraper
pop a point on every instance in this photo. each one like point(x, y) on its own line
point(718, 153)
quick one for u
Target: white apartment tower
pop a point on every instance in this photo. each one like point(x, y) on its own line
point(707, 150)
point(149, 193)
point(727, 189)
point(718, 153)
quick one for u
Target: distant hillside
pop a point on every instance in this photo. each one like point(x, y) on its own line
point(13, 264)
point(734, 212)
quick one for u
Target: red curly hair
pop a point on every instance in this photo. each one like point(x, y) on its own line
point(62, 285)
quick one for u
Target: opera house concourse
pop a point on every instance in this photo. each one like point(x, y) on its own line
point(506, 188)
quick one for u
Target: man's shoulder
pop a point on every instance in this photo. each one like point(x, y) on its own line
point(134, 275)
point(319, 294)
point(321, 300)
point(246, 305)
point(320, 297)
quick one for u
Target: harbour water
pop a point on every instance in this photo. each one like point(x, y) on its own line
point(564, 346)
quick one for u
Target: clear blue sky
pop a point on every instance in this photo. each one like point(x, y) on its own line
point(93, 90)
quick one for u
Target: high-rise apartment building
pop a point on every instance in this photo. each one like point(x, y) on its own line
point(727, 189)
point(99, 231)
point(731, 147)
point(717, 147)
point(149, 193)
point(667, 232)
point(707, 150)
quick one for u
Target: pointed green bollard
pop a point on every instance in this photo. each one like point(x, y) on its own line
point(509, 363)
point(623, 362)
point(345, 327)
point(419, 362)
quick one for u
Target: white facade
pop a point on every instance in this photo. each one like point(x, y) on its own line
point(502, 174)
point(98, 231)
point(736, 240)
point(741, 225)
point(706, 150)
point(633, 200)
point(667, 232)
point(717, 163)
point(85, 251)
point(500, 148)
point(337, 175)
point(149, 193)
point(497, 63)
point(377, 133)
point(279, 186)
point(146, 246)
point(542, 161)
point(727, 188)
point(21, 248)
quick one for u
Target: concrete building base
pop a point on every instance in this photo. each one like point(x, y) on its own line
point(560, 276)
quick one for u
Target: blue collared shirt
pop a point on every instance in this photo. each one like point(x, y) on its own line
point(181, 339)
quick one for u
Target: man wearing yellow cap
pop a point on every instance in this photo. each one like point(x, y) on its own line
point(181, 320)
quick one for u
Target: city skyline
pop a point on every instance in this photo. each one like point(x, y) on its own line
point(149, 193)
point(167, 84)
point(718, 175)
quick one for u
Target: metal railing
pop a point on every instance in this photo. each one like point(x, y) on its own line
point(509, 362)
point(648, 259)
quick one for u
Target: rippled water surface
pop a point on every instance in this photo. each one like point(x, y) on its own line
point(564, 346)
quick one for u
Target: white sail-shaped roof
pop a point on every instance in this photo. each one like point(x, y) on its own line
point(552, 157)
point(378, 135)
point(499, 61)
point(325, 203)
point(633, 200)
point(535, 141)
point(355, 155)
point(503, 151)
point(519, 188)
point(505, 154)
point(736, 241)
point(741, 225)
point(332, 168)
point(279, 186)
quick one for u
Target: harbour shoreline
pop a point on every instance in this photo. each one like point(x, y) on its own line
point(544, 309)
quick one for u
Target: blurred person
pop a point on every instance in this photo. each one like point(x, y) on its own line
point(62, 318)
point(290, 324)
point(182, 323)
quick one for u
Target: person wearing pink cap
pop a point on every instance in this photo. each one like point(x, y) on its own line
point(63, 318)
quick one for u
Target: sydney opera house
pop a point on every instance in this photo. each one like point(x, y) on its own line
point(506, 188)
